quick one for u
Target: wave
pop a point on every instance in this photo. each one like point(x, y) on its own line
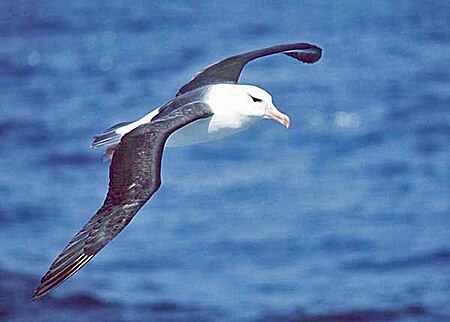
point(16, 305)
point(433, 258)
point(367, 315)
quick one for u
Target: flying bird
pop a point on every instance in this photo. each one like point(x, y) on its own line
point(210, 106)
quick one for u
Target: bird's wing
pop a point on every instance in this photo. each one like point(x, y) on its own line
point(229, 69)
point(134, 176)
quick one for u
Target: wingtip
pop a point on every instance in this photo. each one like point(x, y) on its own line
point(308, 56)
point(40, 291)
point(37, 294)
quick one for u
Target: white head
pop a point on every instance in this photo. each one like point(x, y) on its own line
point(261, 102)
point(247, 101)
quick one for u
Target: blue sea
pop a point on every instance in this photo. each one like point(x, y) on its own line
point(343, 217)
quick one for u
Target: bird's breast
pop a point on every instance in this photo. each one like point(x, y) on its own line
point(210, 129)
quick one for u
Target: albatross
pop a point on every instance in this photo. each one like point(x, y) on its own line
point(212, 105)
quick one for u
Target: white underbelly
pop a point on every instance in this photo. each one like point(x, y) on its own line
point(203, 131)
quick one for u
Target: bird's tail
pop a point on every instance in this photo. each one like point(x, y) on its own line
point(109, 139)
point(106, 139)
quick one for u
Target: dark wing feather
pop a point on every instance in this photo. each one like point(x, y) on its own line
point(135, 175)
point(229, 69)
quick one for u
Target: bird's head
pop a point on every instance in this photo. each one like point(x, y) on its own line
point(237, 105)
point(259, 103)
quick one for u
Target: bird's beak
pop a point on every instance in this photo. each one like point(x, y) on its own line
point(273, 113)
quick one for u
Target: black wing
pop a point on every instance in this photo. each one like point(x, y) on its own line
point(229, 69)
point(134, 176)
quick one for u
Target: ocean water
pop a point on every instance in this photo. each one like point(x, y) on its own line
point(343, 217)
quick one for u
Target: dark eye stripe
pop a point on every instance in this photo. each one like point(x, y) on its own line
point(255, 99)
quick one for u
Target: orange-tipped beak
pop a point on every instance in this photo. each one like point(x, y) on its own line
point(273, 113)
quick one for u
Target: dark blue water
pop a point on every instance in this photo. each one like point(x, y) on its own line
point(344, 217)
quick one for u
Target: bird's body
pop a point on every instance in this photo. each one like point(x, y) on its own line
point(228, 103)
point(210, 106)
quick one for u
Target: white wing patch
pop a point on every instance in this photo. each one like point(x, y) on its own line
point(130, 127)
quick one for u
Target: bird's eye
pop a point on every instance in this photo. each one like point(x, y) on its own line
point(255, 99)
